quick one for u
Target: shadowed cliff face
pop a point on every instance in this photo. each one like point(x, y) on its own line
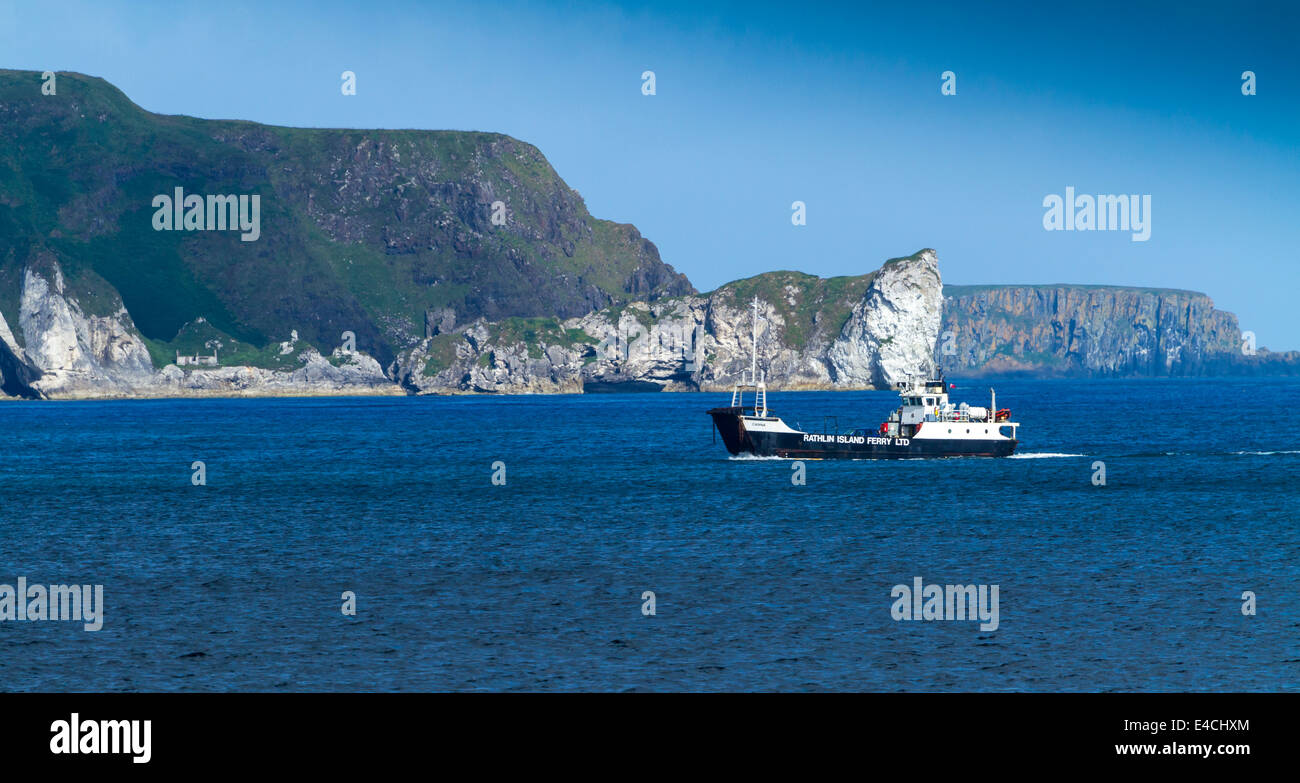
point(1091, 330)
point(17, 375)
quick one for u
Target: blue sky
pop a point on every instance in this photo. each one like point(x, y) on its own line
point(760, 105)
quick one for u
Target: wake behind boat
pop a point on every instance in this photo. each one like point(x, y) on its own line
point(926, 424)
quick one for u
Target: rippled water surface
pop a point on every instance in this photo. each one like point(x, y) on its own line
point(760, 584)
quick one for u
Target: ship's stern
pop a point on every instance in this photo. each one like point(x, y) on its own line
point(727, 421)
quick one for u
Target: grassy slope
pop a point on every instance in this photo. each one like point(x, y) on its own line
point(807, 303)
point(79, 170)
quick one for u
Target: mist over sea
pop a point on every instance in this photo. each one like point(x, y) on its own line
point(759, 584)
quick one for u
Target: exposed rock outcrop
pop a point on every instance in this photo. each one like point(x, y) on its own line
point(77, 354)
point(865, 332)
point(891, 335)
point(356, 374)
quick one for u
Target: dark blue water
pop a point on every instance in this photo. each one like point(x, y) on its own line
point(760, 584)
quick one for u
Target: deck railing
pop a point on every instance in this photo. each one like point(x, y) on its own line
point(956, 415)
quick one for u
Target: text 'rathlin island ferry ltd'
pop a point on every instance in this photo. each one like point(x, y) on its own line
point(925, 425)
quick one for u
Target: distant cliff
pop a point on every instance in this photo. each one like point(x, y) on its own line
point(1099, 331)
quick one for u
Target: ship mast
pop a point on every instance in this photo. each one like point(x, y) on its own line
point(760, 388)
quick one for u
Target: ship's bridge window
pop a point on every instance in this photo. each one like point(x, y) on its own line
point(929, 401)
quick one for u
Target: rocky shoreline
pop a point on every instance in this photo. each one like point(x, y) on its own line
point(865, 332)
point(684, 343)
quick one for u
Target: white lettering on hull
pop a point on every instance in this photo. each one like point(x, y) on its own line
point(855, 440)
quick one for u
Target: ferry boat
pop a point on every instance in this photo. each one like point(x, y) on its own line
point(926, 424)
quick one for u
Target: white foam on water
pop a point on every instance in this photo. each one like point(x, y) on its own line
point(1263, 453)
point(1043, 455)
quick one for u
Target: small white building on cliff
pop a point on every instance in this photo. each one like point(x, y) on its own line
point(196, 360)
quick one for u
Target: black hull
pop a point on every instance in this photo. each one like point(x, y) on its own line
point(727, 422)
point(800, 445)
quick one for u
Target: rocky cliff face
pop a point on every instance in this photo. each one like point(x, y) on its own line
point(891, 334)
point(868, 331)
point(1102, 331)
point(846, 333)
point(75, 352)
point(67, 353)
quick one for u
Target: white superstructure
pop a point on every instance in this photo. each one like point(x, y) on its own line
point(927, 402)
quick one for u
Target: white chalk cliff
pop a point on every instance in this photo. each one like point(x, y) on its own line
point(76, 353)
point(67, 353)
point(892, 333)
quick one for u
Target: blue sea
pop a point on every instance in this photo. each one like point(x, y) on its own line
point(759, 584)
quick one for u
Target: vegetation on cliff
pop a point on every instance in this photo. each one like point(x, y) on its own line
point(361, 230)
